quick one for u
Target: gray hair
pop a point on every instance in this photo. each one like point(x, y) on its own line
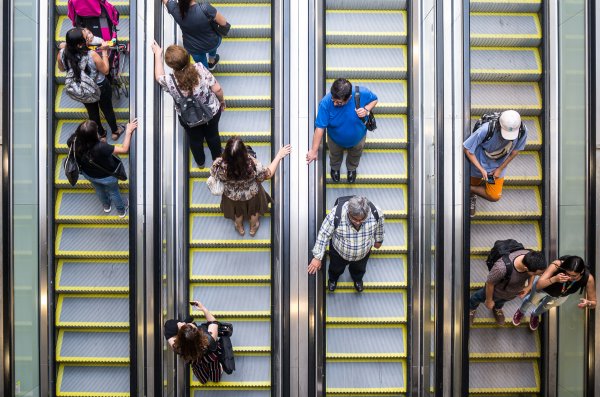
point(358, 207)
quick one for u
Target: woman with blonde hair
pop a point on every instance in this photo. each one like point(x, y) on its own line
point(194, 80)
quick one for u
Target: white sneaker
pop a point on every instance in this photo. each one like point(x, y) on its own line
point(473, 205)
point(124, 213)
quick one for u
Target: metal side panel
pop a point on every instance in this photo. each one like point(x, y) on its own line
point(92, 380)
point(359, 61)
point(64, 24)
point(207, 392)
point(92, 275)
point(252, 125)
point(93, 346)
point(245, 89)
point(383, 271)
point(506, 5)
point(247, 20)
point(245, 55)
point(391, 94)
point(391, 132)
point(485, 233)
point(505, 342)
point(362, 4)
point(83, 206)
point(263, 154)
point(92, 241)
point(110, 311)
point(60, 180)
point(383, 342)
point(365, 27)
point(121, 5)
point(345, 377)
point(517, 377)
point(484, 316)
point(250, 371)
point(534, 131)
point(66, 128)
point(505, 30)
point(506, 64)
point(243, 300)
point(392, 199)
point(212, 230)
point(373, 306)
point(517, 202)
point(201, 199)
point(67, 108)
point(244, 265)
point(378, 166)
point(524, 97)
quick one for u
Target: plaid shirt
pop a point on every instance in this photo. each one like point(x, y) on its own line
point(350, 243)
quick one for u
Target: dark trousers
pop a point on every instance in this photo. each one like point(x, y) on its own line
point(337, 265)
point(479, 297)
point(208, 132)
point(104, 104)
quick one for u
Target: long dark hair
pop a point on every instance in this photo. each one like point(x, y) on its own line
point(239, 165)
point(572, 263)
point(184, 7)
point(75, 49)
point(190, 343)
point(87, 137)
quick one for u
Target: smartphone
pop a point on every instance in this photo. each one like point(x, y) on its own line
point(491, 180)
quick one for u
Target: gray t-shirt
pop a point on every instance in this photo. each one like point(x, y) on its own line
point(517, 279)
point(198, 35)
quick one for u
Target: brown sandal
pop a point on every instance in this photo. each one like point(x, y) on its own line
point(254, 228)
point(120, 131)
point(239, 228)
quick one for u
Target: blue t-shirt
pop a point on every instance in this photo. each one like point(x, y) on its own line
point(344, 127)
point(492, 153)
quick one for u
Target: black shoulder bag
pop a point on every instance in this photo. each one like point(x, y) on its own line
point(220, 30)
point(368, 121)
point(70, 165)
point(119, 171)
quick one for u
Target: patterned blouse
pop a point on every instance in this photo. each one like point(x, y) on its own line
point(242, 190)
point(201, 91)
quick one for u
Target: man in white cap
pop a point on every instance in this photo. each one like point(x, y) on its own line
point(490, 149)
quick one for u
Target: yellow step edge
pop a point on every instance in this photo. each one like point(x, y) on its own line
point(364, 357)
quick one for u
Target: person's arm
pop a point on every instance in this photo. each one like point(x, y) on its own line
point(218, 91)
point(213, 329)
point(590, 291)
point(527, 289)
point(284, 151)
point(548, 277)
point(123, 149)
point(498, 171)
point(220, 19)
point(159, 68)
point(61, 67)
point(165, 2)
point(312, 153)
point(489, 295)
point(473, 159)
point(364, 111)
point(380, 231)
point(101, 62)
point(323, 238)
point(171, 342)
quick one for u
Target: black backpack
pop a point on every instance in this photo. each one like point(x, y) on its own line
point(193, 112)
point(226, 355)
point(339, 202)
point(492, 119)
point(501, 249)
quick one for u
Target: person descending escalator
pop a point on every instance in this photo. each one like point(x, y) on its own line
point(202, 26)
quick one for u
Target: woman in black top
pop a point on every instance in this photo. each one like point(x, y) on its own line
point(95, 158)
point(197, 345)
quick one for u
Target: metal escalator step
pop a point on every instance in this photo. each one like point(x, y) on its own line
point(106, 311)
point(383, 342)
point(92, 275)
point(243, 300)
point(64, 24)
point(506, 5)
point(214, 231)
point(365, 27)
point(251, 371)
point(391, 132)
point(246, 89)
point(525, 169)
point(372, 306)
point(517, 202)
point(66, 128)
point(484, 233)
point(83, 206)
point(247, 20)
point(96, 346)
point(209, 392)
point(250, 124)
point(121, 5)
point(245, 55)
point(366, 61)
point(362, 5)
point(67, 108)
point(534, 131)
point(478, 271)
point(60, 180)
point(517, 377)
point(484, 316)
point(378, 377)
point(524, 97)
point(391, 94)
point(383, 271)
point(391, 199)
point(378, 166)
point(505, 342)
point(92, 241)
point(250, 335)
point(240, 265)
point(490, 29)
point(92, 380)
point(201, 199)
point(263, 154)
point(505, 64)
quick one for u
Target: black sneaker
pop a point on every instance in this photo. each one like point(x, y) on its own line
point(472, 205)
point(212, 65)
point(331, 285)
point(358, 286)
point(351, 176)
point(335, 175)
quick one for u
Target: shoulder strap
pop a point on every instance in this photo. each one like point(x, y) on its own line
point(490, 131)
point(357, 97)
point(509, 268)
point(177, 86)
point(338, 213)
point(374, 211)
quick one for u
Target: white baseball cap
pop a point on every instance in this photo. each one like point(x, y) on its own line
point(510, 122)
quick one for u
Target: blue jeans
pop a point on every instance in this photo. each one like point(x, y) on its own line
point(107, 190)
point(541, 301)
point(479, 297)
point(201, 56)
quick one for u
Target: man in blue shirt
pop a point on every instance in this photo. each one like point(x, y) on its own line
point(489, 155)
point(345, 127)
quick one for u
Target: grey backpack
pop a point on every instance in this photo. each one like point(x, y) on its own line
point(84, 90)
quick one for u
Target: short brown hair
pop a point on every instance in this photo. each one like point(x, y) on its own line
point(178, 59)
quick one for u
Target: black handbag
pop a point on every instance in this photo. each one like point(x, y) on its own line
point(119, 171)
point(70, 165)
point(220, 30)
point(225, 329)
point(369, 121)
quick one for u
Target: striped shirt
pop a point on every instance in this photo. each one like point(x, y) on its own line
point(351, 244)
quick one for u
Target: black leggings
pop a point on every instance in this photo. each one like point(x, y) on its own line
point(104, 104)
point(197, 135)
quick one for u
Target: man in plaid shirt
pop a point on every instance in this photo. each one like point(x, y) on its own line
point(350, 243)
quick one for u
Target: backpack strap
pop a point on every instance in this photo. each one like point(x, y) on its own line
point(357, 97)
point(177, 86)
point(490, 131)
point(338, 213)
point(509, 268)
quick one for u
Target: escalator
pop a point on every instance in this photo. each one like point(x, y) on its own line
point(506, 73)
point(366, 333)
point(229, 273)
point(91, 251)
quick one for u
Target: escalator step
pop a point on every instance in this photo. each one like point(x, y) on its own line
point(518, 202)
point(365, 27)
point(91, 275)
point(207, 392)
point(505, 64)
point(66, 107)
point(478, 271)
point(66, 128)
point(250, 336)
point(366, 61)
point(505, 30)
point(506, 342)
point(392, 199)
point(391, 132)
point(64, 24)
point(201, 199)
point(485, 233)
point(362, 5)
point(246, 89)
point(60, 180)
point(372, 306)
point(377, 166)
point(517, 377)
point(383, 271)
point(240, 265)
point(92, 380)
point(524, 97)
point(350, 378)
point(263, 154)
point(506, 5)
point(97, 346)
point(83, 206)
point(250, 124)
point(250, 371)
point(383, 342)
point(106, 311)
point(534, 131)
point(214, 231)
point(242, 300)
point(391, 94)
point(121, 5)
point(92, 241)
point(525, 169)
point(484, 316)
point(245, 55)
point(247, 20)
